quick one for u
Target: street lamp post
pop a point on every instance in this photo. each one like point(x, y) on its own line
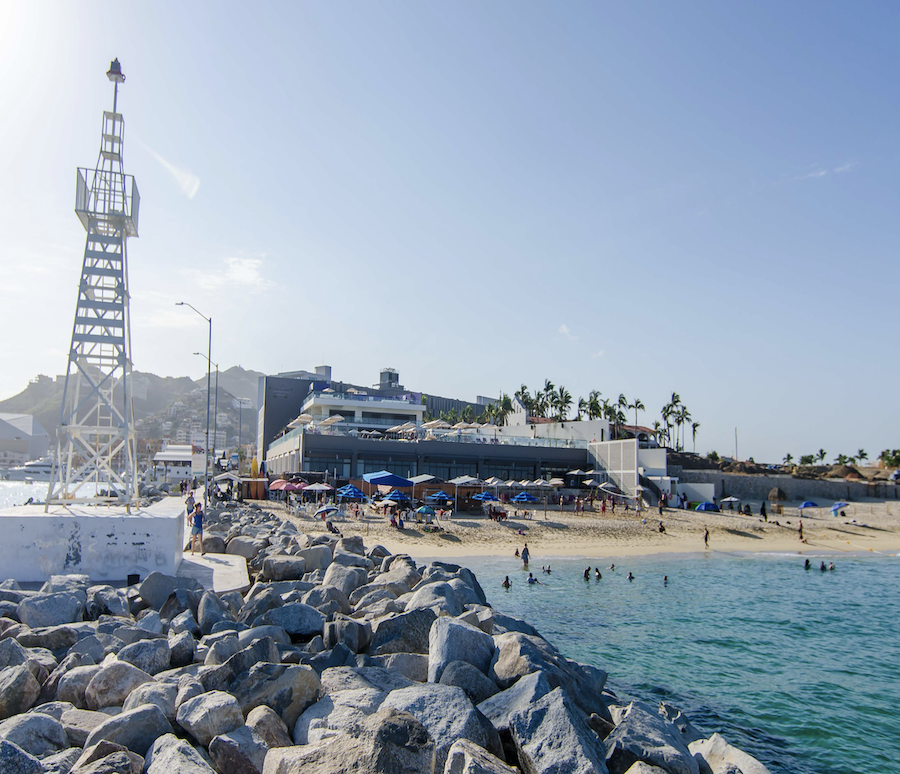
point(208, 379)
point(216, 410)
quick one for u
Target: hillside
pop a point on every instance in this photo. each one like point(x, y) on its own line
point(152, 395)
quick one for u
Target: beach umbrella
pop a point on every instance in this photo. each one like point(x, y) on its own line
point(837, 506)
point(276, 485)
point(808, 504)
point(290, 486)
point(325, 509)
point(557, 482)
point(707, 507)
point(350, 492)
point(397, 496)
point(607, 487)
point(524, 497)
point(731, 499)
point(319, 488)
point(440, 496)
point(485, 497)
point(591, 482)
point(577, 472)
point(426, 509)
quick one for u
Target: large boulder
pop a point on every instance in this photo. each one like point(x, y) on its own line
point(161, 694)
point(474, 682)
point(466, 757)
point(12, 653)
point(719, 756)
point(73, 684)
point(156, 588)
point(212, 610)
point(261, 599)
point(438, 597)
point(106, 600)
point(106, 757)
point(241, 751)
point(110, 686)
point(283, 567)
point(170, 755)
point(14, 760)
point(182, 647)
point(150, 656)
point(404, 633)
point(515, 699)
point(297, 619)
point(642, 735)
point(269, 727)
point(392, 742)
point(553, 735)
point(55, 638)
point(135, 729)
point(413, 666)
point(337, 712)
point(19, 690)
point(245, 546)
point(448, 715)
point(210, 714)
point(317, 557)
point(347, 579)
point(50, 609)
point(79, 724)
point(37, 734)
point(327, 599)
point(452, 640)
point(286, 688)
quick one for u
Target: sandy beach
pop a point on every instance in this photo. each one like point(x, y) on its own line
point(876, 528)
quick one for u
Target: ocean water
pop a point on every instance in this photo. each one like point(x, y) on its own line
point(17, 492)
point(799, 668)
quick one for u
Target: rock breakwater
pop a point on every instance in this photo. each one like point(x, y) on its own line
point(339, 658)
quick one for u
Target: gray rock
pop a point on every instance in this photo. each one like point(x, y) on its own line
point(55, 709)
point(515, 699)
point(50, 609)
point(348, 559)
point(552, 735)
point(287, 689)
point(123, 762)
point(477, 686)
point(180, 600)
point(258, 603)
point(72, 686)
point(466, 757)
point(19, 690)
point(55, 638)
point(110, 686)
point(374, 594)
point(327, 596)
point(241, 751)
point(506, 623)
point(156, 588)
point(411, 665)
point(37, 734)
point(317, 557)
point(171, 755)
point(448, 715)
point(405, 633)
point(276, 568)
point(348, 678)
point(91, 646)
point(721, 757)
point(135, 729)
point(14, 760)
point(645, 768)
point(210, 714)
point(211, 611)
point(62, 762)
point(436, 596)
point(338, 712)
point(642, 735)
point(352, 544)
point(213, 544)
point(106, 600)
point(184, 622)
point(276, 633)
point(392, 742)
point(344, 578)
point(297, 619)
point(188, 687)
point(247, 547)
point(269, 726)
point(453, 640)
point(181, 649)
point(161, 694)
point(12, 654)
point(150, 621)
point(78, 724)
point(346, 631)
point(150, 656)
point(221, 650)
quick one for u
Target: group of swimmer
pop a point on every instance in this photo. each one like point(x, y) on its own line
point(822, 567)
point(531, 580)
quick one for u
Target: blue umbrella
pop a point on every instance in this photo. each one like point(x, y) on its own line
point(707, 507)
point(524, 497)
point(427, 509)
point(441, 496)
point(386, 478)
point(350, 492)
point(326, 509)
point(486, 497)
point(808, 504)
point(837, 506)
point(397, 496)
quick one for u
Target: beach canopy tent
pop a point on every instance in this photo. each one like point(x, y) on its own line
point(607, 487)
point(808, 504)
point(707, 507)
point(350, 492)
point(466, 481)
point(486, 497)
point(386, 478)
point(591, 482)
point(440, 497)
point(524, 497)
point(425, 478)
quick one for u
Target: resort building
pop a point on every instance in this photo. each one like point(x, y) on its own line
point(21, 439)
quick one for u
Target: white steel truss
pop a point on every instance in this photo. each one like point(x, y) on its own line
point(96, 444)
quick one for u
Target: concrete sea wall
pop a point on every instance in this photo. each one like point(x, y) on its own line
point(758, 487)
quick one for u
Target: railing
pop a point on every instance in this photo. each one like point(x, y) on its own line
point(110, 194)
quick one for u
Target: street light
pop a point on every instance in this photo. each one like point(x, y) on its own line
point(208, 376)
point(216, 410)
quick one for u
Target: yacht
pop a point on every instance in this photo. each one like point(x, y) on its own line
point(34, 470)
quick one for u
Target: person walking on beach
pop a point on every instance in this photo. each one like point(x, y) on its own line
point(800, 529)
point(196, 523)
point(706, 537)
point(762, 512)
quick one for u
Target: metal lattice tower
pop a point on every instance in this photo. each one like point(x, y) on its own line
point(96, 427)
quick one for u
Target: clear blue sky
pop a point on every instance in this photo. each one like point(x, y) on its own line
point(633, 197)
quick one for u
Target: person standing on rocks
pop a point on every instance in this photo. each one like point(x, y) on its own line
point(196, 522)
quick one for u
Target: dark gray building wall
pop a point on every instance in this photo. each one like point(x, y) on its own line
point(280, 400)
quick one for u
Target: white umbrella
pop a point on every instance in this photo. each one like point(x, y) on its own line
point(591, 482)
point(331, 420)
point(557, 482)
point(303, 419)
point(731, 499)
point(576, 472)
point(319, 488)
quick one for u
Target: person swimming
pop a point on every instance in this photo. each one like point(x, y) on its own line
point(806, 565)
point(531, 578)
point(822, 567)
point(587, 574)
point(630, 577)
point(506, 584)
point(612, 567)
point(597, 574)
point(665, 580)
point(831, 567)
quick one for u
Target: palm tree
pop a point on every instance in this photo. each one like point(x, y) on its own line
point(666, 412)
point(841, 459)
point(524, 398)
point(685, 418)
point(637, 405)
point(622, 404)
point(582, 408)
point(862, 455)
point(549, 390)
point(788, 458)
point(695, 426)
point(821, 455)
point(503, 409)
point(595, 406)
point(468, 414)
point(563, 403)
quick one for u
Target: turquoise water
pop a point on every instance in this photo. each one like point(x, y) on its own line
point(799, 668)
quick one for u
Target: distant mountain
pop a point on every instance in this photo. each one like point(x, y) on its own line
point(152, 394)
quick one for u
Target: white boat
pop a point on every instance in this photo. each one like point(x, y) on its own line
point(34, 470)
